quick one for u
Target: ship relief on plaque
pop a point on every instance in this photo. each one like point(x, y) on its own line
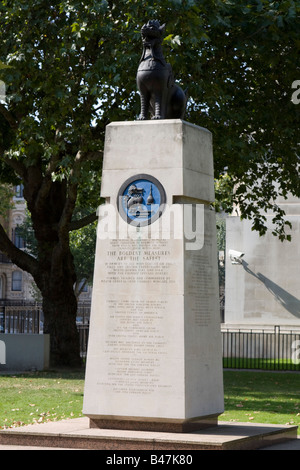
point(141, 200)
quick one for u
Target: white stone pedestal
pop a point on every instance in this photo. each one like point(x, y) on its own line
point(154, 357)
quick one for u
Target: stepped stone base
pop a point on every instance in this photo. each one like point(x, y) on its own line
point(77, 434)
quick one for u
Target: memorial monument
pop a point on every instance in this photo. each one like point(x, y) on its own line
point(154, 358)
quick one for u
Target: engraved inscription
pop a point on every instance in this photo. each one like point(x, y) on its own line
point(135, 346)
point(200, 286)
point(148, 262)
point(135, 275)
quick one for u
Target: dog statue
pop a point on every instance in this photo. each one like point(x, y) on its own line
point(159, 94)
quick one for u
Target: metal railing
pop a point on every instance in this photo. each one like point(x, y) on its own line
point(27, 318)
point(275, 348)
point(265, 349)
point(269, 349)
point(83, 331)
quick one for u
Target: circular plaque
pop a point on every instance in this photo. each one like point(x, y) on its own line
point(141, 200)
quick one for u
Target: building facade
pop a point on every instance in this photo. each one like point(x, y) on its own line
point(263, 286)
point(17, 286)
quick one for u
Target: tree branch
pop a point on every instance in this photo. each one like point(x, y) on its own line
point(47, 180)
point(19, 257)
point(66, 216)
point(8, 116)
point(88, 219)
point(15, 164)
point(65, 223)
point(92, 156)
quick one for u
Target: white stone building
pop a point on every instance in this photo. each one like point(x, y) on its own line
point(263, 288)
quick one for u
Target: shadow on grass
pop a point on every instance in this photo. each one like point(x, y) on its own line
point(274, 395)
point(63, 373)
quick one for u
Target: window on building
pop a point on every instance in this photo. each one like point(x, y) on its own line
point(16, 281)
point(83, 287)
point(2, 286)
point(17, 239)
point(19, 191)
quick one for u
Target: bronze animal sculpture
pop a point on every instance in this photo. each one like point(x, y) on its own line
point(159, 94)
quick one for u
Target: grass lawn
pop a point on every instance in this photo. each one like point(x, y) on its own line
point(262, 397)
point(258, 397)
point(39, 397)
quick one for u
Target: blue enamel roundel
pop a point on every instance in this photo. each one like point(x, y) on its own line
point(141, 199)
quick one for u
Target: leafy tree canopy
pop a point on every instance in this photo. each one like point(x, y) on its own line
point(69, 64)
point(69, 68)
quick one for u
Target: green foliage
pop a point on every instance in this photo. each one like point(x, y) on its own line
point(224, 189)
point(6, 202)
point(83, 245)
point(221, 233)
point(70, 67)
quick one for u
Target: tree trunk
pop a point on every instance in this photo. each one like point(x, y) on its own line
point(60, 324)
point(51, 205)
point(56, 276)
point(56, 282)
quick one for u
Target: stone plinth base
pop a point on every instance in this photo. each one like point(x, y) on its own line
point(76, 434)
point(170, 426)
